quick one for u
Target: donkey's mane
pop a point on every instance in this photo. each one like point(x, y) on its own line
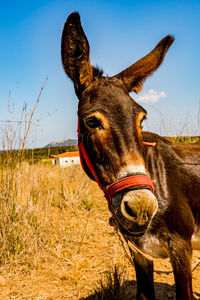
point(97, 72)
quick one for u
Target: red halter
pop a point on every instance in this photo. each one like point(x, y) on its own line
point(120, 185)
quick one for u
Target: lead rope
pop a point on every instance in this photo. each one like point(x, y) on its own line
point(130, 245)
point(127, 245)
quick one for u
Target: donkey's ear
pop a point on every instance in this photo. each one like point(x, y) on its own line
point(134, 76)
point(75, 53)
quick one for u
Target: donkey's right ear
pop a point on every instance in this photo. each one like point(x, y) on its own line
point(75, 53)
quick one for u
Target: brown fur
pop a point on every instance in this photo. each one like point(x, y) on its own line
point(110, 124)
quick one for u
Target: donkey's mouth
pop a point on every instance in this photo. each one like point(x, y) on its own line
point(134, 211)
point(132, 231)
point(113, 221)
point(126, 226)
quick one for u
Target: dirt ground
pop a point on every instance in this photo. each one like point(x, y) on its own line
point(77, 277)
point(78, 267)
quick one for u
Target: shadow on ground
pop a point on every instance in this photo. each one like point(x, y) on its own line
point(127, 290)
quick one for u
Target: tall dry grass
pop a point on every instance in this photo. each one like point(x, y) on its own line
point(37, 206)
point(32, 197)
point(55, 221)
point(55, 241)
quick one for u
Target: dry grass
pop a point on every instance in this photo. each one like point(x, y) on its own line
point(55, 241)
point(49, 216)
point(38, 207)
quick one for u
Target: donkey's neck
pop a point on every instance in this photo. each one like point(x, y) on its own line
point(173, 154)
point(176, 170)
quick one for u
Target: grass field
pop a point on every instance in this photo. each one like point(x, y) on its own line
point(56, 242)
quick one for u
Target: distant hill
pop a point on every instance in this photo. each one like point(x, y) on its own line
point(74, 142)
point(63, 143)
point(32, 156)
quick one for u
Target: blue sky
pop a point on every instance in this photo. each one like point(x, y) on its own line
point(119, 33)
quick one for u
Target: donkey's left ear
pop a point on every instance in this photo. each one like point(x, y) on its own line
point(75, 53)
point(134, 76)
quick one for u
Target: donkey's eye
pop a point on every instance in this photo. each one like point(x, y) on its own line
point(93, 122)
point(142, 121)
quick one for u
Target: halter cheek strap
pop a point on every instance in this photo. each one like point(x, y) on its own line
point(85, 161)
point(111, 190)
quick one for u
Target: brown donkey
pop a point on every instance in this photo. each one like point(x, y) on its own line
point(161, 223)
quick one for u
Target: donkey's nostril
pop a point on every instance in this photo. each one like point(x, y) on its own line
point(129, 210)
point(149, 214)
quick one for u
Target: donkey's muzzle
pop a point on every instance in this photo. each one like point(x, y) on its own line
point(139, 207)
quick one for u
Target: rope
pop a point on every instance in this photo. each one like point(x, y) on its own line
point(130, 245)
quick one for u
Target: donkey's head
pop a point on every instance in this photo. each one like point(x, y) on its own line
point(110, 122)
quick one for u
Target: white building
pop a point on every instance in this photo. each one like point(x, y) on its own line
point(66, 159)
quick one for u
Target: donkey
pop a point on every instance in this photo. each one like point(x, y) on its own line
point(124, 160)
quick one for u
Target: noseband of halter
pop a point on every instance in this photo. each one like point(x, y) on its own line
point(136, 181)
